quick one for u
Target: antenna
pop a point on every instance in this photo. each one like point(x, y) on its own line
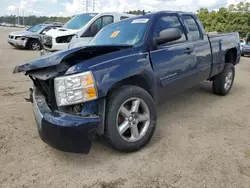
point(18, 16)
point(93, 5)
point(87, 4)
point(23, 19)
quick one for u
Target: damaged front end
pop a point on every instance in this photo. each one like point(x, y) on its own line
point(63, 131)
point(69, 128)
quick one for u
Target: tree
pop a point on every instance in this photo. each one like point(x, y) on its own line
point(137, 12)
point(235, 18)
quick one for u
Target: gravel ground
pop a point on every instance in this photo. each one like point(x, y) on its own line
point(201, 140)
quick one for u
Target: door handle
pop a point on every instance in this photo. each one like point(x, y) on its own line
point(188, 51)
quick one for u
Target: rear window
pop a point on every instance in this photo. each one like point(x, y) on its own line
point(124, 17)
point(193, 28)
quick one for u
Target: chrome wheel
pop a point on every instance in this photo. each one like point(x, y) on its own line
point(133, 119)
point(229, 80)
point(36, 46)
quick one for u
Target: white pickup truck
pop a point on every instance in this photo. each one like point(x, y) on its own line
point(80, 29)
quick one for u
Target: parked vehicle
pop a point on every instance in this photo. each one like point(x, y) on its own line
point(112, 86)
point(30, 37)
point(85, 35)
point(85, 26)
point(245, 50)
point(242, 43)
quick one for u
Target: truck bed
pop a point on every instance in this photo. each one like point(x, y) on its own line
point(220, 44)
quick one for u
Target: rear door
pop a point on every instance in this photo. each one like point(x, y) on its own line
point(202, 49)
point(174, 63)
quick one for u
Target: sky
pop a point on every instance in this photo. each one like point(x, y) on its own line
point(72, 7)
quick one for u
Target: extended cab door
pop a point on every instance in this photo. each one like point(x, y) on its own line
point(174, 63)
point(202, 49)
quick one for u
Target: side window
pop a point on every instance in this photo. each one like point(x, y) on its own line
point(46, 30)
point(168, 22)
point(123, 17)
point(106, 20)
point(98, 25)
point(193, 28)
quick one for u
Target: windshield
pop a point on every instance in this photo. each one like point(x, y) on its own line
point(36, 28)
point(79, 21)
point(127, 32)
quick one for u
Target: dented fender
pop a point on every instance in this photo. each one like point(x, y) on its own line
point(115, 67)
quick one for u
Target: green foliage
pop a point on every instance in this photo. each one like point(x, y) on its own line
point(235, 18)
point(138, 12)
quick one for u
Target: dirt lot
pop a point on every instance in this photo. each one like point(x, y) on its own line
point(201, 140)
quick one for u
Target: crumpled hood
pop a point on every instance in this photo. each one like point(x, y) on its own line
point(58, 32)
point(71, 56)
point(23, 33)
point(45, 61)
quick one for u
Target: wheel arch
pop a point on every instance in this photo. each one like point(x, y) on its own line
point(30, 39)
point(139, 80)
point(231, 56)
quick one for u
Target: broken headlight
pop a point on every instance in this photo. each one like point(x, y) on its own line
point(75, 89)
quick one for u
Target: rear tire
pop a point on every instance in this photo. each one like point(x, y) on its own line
point(35, 45)
point(130, 118)
point(223, 82)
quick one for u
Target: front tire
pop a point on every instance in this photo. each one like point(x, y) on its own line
point(130, 119)
point(35, 45)
point(223, 82)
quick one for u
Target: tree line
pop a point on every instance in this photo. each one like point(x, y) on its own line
point(234, 18)
point(31, 20)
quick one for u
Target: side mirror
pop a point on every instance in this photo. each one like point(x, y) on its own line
point(168, 35)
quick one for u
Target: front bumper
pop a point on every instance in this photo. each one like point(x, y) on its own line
point(17, 43)
point(56, 46)
point(245, 52)
point(63, 131)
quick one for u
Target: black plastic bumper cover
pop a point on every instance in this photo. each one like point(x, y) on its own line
point(62, 131)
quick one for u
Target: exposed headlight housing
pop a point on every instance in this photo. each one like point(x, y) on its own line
point(64, 39)
point(75, 89)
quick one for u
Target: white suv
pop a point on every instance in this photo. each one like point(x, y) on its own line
point(80, 29)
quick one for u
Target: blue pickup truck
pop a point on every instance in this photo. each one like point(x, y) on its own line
point(111, 87)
